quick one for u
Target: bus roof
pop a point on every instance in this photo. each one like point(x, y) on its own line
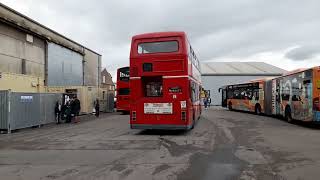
point(295, 71)
point(125, 67)
point(159, 34)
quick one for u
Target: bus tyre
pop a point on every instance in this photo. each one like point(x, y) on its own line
point(230, 106)
point(257, 109)
point(288, 116)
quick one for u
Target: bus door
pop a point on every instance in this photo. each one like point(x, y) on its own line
point(224, 97)
point(277, 104)
point(302, 96)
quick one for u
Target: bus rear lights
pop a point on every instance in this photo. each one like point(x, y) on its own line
point(183, 104)
point(183, 115)
point(134, 115)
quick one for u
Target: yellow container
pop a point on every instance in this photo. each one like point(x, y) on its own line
point(21, 83)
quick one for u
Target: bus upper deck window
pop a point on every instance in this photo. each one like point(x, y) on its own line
point(158, 47)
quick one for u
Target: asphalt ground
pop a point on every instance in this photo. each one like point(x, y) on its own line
point(223, 145)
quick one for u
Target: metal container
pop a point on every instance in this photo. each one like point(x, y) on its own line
point(22, 110)
point(4, 112)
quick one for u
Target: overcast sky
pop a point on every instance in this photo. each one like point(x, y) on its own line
point(285, 33)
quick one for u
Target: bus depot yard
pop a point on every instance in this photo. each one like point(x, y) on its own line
point(223, 145)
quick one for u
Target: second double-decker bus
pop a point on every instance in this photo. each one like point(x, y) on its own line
point(165, 82)
point(293, 96)
point(123, 91)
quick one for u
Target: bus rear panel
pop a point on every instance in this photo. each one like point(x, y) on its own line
point(163, 90)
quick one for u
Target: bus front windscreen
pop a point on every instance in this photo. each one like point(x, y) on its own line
point(158, 47)
point(124, 74)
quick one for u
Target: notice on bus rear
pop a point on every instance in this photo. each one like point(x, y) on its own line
point(158, 108)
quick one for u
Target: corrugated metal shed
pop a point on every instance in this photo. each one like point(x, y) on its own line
point(13, 17)
point(218, 74)
point(240, 69)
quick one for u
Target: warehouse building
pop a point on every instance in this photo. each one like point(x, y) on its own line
point(37, 59)
point(29, 48)
point(218, 74)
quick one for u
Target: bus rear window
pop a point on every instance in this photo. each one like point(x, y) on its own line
point(124, 91)
point(158, 47)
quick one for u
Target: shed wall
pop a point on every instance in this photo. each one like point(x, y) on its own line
point(14, 49)
point(92, 68)
point(64, 66)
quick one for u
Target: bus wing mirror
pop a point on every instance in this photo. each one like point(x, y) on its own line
point(219, 89)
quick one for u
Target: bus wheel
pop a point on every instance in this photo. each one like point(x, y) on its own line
point(288, 116)
point(230, 106)
point(258, 109)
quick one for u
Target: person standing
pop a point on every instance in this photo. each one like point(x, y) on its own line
point(76, 107)
point(209, 102)
point(97, 108)
point(68, 112)
point(57, 112)
point(205, 102)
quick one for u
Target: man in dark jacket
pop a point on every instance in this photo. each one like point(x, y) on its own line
point(57, 112)
point(97, 108)
point(76, 107)
point(68, 112)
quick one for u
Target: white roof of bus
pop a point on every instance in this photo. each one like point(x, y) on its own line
point(240, 69)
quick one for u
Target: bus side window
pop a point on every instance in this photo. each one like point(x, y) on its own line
point(249, 94)
point(256, 94)
point(277, 95)
point(307, 87)
point(230, 94)
point(236, 94)
point(193, 92)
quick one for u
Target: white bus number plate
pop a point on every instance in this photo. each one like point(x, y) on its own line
point(158, 108)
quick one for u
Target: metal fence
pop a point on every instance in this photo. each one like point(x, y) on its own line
point(22, 110)
point(107, 105)
point(4, 109)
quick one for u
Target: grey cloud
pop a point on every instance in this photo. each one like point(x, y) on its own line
point(303, 53)
point(216, 29)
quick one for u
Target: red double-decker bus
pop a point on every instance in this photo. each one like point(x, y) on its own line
point(123, 91)
point(165, 82)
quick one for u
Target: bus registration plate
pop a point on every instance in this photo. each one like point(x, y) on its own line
point(158, 108)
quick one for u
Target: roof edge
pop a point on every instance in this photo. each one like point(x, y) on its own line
point(42, 26)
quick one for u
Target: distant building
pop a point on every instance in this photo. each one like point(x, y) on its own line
point(218, 74)
point(32, 49)
point(106, 80)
